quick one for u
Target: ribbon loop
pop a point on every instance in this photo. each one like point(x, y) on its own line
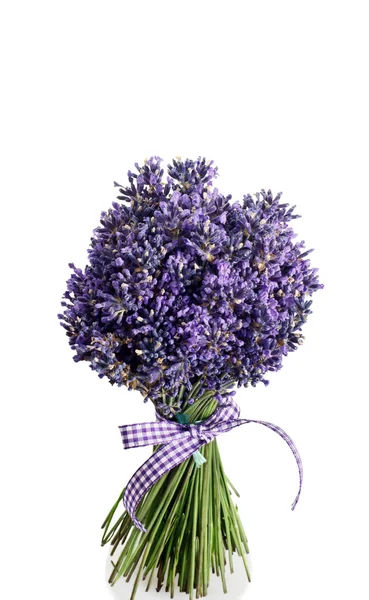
point(179, 441)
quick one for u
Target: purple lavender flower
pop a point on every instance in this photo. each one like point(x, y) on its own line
point(184, 286)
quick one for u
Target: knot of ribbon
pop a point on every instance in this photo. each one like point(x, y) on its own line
point(200, 432)
point(179, 441)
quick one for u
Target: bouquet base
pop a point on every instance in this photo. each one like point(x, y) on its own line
point(193, 530)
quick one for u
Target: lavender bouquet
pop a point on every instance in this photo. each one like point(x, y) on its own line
point(186, 295)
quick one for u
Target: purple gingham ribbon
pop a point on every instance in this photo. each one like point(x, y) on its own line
point(179, 442)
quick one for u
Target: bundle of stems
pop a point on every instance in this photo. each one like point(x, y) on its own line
point(193, 526)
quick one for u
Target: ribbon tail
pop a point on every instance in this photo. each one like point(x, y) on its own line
point(164, 459)
point(293, 449)
point(223, 427)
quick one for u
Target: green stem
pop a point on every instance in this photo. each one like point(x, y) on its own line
point(191, 521)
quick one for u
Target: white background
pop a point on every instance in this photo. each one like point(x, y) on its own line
point(277, 94)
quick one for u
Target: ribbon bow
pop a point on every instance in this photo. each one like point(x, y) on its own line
point(179, 442)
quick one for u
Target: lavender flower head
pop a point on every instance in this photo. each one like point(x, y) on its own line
point(186, 291)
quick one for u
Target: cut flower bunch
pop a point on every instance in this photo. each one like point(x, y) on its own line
point(185, 296)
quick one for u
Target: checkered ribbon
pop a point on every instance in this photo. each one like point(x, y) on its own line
point(179, 441)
